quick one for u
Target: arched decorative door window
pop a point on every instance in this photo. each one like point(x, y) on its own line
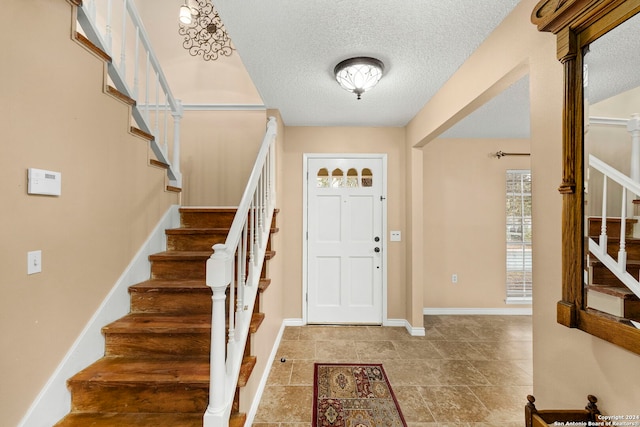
point(322, 179)
point(337, 178)
point(367, 177)
point(352, 178)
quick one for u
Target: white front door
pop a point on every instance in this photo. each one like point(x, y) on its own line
point(345, 241)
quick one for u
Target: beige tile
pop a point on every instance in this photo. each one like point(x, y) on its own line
point(433, 334)
point(459, 350)
point(336, 351)
point(410, 372)
point(507, 350)
point(296, 350)
point(464, 365)
point(453, 404)
point(378, 350)
point(280, 373)
point(286, 404)
point(455, 333)
point(503, 373)
point(302, 373)
point(389, 333)
point(291, 333)
point(455, 372)
point(328, 333)
point(412, 406)
point(413, 349)
point(506, 403)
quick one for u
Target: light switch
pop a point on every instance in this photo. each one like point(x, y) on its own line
point(34, 262)
point(396, 236)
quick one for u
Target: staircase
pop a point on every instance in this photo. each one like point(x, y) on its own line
point(155, 369)
point(605, 291)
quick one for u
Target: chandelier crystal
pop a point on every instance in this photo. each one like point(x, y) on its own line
point(203, 31)
point(358, 75)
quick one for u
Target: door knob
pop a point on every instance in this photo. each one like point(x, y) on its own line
point(376, 249)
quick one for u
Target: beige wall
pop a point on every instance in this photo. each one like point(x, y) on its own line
point(568, 363)
point(300, 140)
point(219, 149)
point(464, 217)
point(54, 116)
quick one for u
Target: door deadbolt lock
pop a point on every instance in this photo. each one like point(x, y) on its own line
point(376, 239)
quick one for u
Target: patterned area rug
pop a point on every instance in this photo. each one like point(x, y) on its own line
point(354, 395)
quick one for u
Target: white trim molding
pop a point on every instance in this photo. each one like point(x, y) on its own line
point(54, 400)
point(414, 331)
point(525, 311)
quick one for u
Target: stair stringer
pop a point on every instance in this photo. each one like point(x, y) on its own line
point(54, 400)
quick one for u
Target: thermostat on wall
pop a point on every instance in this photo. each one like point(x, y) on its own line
point(44, 182)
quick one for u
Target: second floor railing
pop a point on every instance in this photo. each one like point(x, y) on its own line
point(115, 27)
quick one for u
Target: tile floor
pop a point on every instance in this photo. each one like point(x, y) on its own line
point(467, 371)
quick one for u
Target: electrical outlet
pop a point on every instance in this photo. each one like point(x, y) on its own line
point(396, 236)
point(454, 278)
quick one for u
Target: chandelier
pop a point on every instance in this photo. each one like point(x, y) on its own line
point(358, 75)
point(203, 31)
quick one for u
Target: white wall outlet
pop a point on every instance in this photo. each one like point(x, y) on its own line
point(44, 182)
point(454, 278)
point(34, 262)
point(395, 236)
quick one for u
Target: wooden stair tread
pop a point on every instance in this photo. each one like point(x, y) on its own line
point(248, 363)
point(123, 370)
point(154, 285)
point(237, 419)
point(198, 230)
point(180, 256)
point(256, 321)
point(160, 323)
point(264, 284)
point(616, 291)
point(94, 419)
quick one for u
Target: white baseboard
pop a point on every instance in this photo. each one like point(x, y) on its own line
point(525, 311)
point(413, 330)
point(54, 400)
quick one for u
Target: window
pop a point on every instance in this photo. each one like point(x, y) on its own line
point(518, 237)
point(337, 179)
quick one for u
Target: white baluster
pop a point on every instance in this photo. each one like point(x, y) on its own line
point(603, 227)
point(136, 65)
point(123, 51)
point(175, 159)
point(622, 254)
point(108, 33)
point(146, 89)
point(157, 99)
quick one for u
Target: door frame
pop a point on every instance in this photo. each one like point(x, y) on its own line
point(305, 229)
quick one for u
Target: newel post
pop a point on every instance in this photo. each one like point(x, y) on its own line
point(219, 268)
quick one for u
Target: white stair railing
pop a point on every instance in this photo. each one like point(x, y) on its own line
point(115, 27)
point(599, 249)
point(237, 265)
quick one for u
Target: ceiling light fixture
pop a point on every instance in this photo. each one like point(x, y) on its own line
point(358, 75)
point(203, 30)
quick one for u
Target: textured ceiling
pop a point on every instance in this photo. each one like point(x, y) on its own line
point(290, 47)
